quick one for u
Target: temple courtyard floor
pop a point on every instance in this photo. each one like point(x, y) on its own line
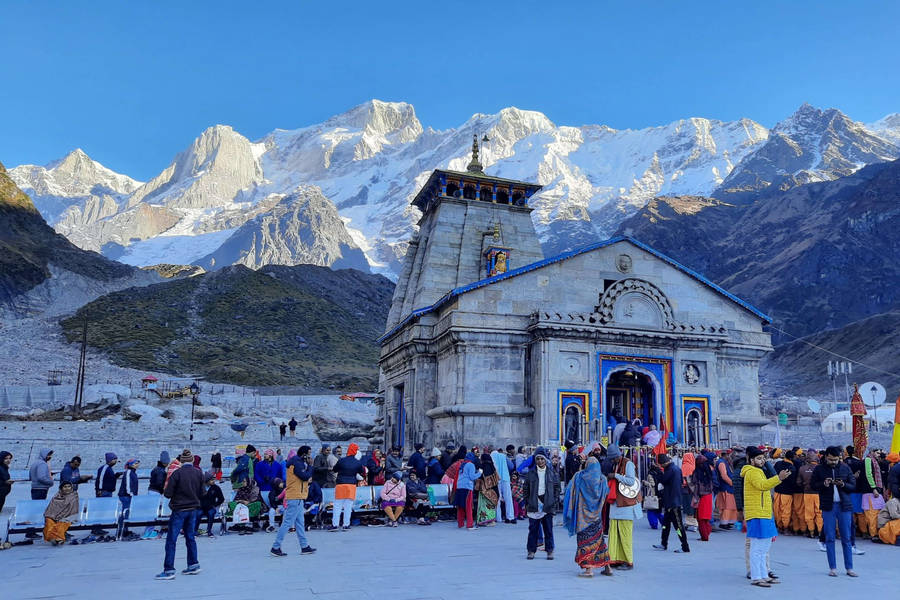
point(439, 561)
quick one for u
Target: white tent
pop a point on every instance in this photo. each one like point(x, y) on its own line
point(841, 421)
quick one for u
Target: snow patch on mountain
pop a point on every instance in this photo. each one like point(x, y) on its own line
point(188, 248)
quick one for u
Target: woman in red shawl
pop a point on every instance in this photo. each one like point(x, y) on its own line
point(452, 472)
point(702, 482)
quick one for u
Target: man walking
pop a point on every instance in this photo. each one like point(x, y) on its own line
point(184, 489)
point(542, 491)
point(299, 474)
point(668, 477)
point(293, 427)
point(282, 429)
point(834, 482)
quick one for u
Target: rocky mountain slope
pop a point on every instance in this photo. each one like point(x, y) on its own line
point(798, 367)
point(303, 325)
point(303, 227)
point(811, 145)
point(41, 269)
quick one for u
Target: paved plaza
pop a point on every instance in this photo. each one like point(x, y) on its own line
point(429, 562)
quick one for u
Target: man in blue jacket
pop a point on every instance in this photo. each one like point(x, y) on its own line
point(834, 481)
point(417, 462)
point(105, 486)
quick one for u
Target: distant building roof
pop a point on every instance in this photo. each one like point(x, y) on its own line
point(565, 256)
point(149, 378)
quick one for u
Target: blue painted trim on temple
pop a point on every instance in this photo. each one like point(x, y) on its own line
point(564, 256)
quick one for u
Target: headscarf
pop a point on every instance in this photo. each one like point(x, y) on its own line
point(893, 457)
point(291, 454)
point(703, 470)
point(352, 449)
point(584, 498)
point(487, 465)
point(687, 464)
point(269, 452)
point(470, 457)
point(197, 461)
point(64, 505)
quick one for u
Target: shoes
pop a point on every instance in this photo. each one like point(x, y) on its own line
point(832, 573)
point(332, 528)
point(165, 575)
point(270, 529)
point(191, 570)
point(822, 547)
point(345, 528)
point(277, 552)
point(550, 555)
point(772, 575)
point(858, 552)
point(682, 551)
point(852, 573)
point(210, 534)
point(291, 530)
point(760, 583)
point(530, 556)
point(660, 547)
point(772, 581)
point(307, 550)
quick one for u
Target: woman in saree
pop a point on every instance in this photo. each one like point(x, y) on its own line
point(488, 492)
point(583, 518)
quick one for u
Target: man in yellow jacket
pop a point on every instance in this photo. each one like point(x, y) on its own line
point(758, 513)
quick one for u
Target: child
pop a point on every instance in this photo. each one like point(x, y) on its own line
point(60, 512)
point(276, 502)
point(210, 502)
point(311, 504)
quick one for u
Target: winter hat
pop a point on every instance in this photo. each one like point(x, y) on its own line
point(251, 449)
point(398, 475)
point(186, 457)
point(269, 452)
point(451, 446)
point(893, 457)
point(164, 457)
point(435, 453)
point(753, 452)
point(326, 446)
point(543, 452)
point(110, 456)
point(613, 451)
point(132, 462)
point(352, 449)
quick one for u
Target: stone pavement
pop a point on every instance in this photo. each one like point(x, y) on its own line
point(428, 563)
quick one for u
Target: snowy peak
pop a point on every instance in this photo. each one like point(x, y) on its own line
point(810, 145)
point(888, 128)
point(70, 184)
point(378, 118)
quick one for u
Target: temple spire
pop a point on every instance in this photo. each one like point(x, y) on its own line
point(475, 164)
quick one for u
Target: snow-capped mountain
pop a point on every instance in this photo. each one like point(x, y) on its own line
point(74, 188)
point(888, 128)
point(370, 161)
point(811, 145)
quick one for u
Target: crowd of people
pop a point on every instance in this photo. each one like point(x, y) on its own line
point(600, 492)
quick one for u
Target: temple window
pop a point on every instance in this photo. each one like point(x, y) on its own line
point(502, 197)
point(452, 188)
point(469, 192)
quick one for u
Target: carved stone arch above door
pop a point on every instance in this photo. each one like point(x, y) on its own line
point(635, 302)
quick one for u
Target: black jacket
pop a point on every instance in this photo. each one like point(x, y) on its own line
point(789, 485)
point(552, 489)
point(417, 462)
point(211, 498)
point(670, 478)
point(158, 478)
point(185, 488)
point(893, 480)
point(826, 494)
point(446, 459)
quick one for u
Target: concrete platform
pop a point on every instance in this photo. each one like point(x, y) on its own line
point(415, 562)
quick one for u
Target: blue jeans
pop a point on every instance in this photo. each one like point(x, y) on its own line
point(841, 518)
point(210, 519)
point(293, 517)
point(183, 521)
point(534, 532)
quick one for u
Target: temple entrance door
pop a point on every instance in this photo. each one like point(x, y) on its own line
point(696, 432)
point(630, 395)
point(572, 425)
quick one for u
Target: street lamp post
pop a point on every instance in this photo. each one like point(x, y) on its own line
point(874, 391)
point(195, 389)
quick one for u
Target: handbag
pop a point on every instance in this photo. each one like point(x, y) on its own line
point(651, 502)
point(628, 495)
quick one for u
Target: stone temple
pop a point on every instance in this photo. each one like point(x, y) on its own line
point(487, 340)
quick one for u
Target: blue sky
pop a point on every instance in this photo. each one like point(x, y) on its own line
point(132, 83)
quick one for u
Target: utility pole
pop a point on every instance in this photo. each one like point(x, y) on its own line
point(79, 382)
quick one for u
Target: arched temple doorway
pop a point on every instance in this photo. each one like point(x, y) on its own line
point(631, 395)
point(695, 432)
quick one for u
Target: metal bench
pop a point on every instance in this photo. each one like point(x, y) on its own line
point(439, 495)
point(101, 512)
point(144, 510)
point(28, 515)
